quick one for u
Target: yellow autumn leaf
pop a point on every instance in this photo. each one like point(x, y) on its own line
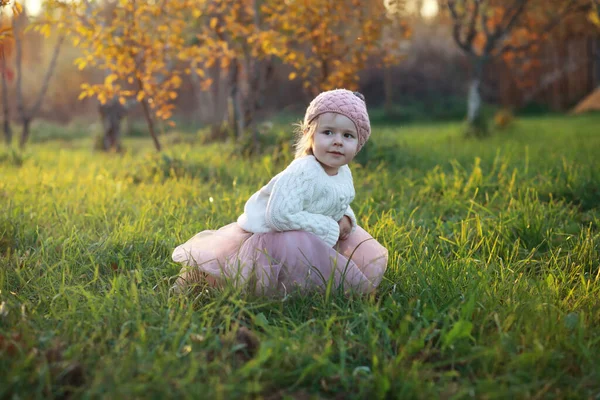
point(594, 17)
point(292, 76)
point(17, 8)
point(6, 32)
point(110, 79)
point(205, 85)
point(176, 81)
point(213, 22)
point(45, 30)
point(225, 62)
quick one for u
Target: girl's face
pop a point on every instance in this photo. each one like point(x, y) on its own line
point(335, 141)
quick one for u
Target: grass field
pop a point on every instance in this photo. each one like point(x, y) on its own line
point(492, 290)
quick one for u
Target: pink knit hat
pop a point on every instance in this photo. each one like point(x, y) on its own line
point(345, 102)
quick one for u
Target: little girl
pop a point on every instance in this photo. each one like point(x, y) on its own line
point(298, 231)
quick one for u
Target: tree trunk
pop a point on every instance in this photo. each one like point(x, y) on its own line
point(196, 92)
point(476, 124)
point(257, 84)
point(111, 114)
point(238, 118)
point(26, 121)
point(149, 120)
point(474, 101)
point(7, 128)
point(128, 124)
point(219, 110)
point(46, 82)
point(254, 104)
point(256, 96)
point(150, 123)
point(19, 93)
point(597, 62)
point(6, 110)
point(257, 100)
point(209, 102)
point(27, 116)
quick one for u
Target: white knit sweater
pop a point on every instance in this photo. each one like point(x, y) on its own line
point(302, 197)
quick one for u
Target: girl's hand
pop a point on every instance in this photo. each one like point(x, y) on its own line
point(345, 227)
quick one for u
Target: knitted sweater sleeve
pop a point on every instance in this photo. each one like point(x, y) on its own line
point(285, 208)
point(352, 217)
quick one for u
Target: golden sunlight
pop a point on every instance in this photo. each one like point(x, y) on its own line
point(33, 7)
point(429, 9)
point(426, 8)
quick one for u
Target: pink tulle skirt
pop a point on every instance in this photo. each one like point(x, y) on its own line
point(278, 262)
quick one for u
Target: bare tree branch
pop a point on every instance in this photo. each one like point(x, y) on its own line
point(458, 23)
point(26, 115)
point(34, 110)
point(472, 32)
point(507, 24)
point(484, 21)
point(510, 17)
point(452, 7)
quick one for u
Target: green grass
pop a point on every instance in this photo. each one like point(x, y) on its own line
point(492, 289)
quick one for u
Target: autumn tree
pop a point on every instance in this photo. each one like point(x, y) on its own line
point(137, 44)
point(483, 29)
point(531, 70)
point(328, 42)
point(27, 114)
point(234, 36)
point(325, 42)
point(146, 47)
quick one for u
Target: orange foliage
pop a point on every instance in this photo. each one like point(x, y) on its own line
point(146, 46)
point(135, 42)
point(16, 8)
point(514, 30)
point(328, 42)
point(536, 30)
point(228, 31)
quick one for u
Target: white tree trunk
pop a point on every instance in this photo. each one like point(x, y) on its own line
point(474, 101)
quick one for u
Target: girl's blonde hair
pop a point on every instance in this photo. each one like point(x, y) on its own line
point(305, 134)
